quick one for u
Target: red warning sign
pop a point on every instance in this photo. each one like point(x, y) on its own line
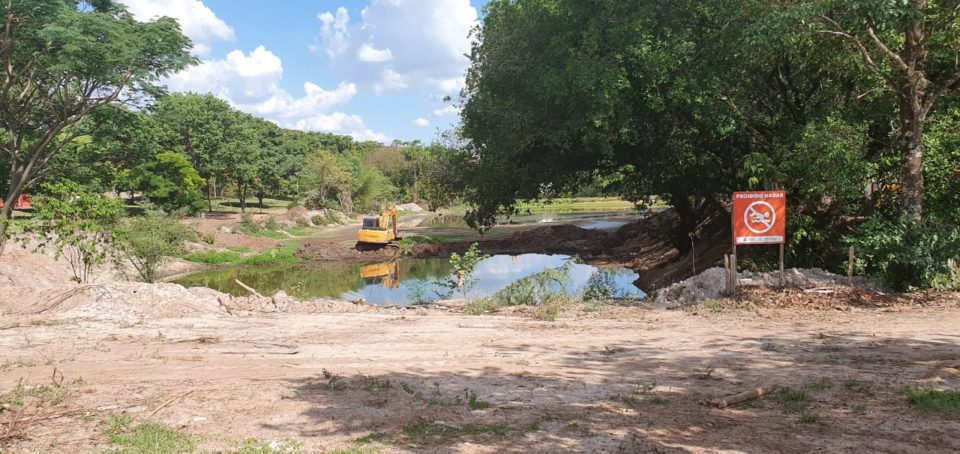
point(759, 217)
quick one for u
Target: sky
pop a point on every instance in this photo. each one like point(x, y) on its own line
point(371, 69)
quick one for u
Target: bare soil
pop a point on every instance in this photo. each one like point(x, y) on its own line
point(600, 379)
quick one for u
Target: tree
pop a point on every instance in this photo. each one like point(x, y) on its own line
point(325, 176)
point(197, 125)
point(62, 59)
point(912, 46)
point(170, 182)
point(240, 155)
point(78, 225)
point(145, 242)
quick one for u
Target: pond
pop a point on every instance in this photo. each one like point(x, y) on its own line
point(402, 282)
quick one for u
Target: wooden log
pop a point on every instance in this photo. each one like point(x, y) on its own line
point(744, 396)
point(248, 288)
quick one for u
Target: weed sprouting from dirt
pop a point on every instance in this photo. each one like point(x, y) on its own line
point(794, 400)
point(147, 438)
point(375, 384)
point(712, 305)
point(334, 381)
point(643, 393)
point(257, 446)
point(934, 401)
point(474, 403)
point(859, 408)
point(819, 385)
point(810, 416)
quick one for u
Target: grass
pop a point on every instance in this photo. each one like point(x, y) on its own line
point(712, 305)
point(931, 400)
point(475, 403)
point(147, 438)
point(576, 204)
point(858, 408)
point(482, 306)
point(256, 446)
point(426, 433)
point(283, 255)
point(213, 257)
point(794, 400)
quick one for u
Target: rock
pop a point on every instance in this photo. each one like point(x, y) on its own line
point(226, 229)
point(281, 300)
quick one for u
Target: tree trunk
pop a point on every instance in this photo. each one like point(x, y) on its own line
point(911, 164)
point(13, 194)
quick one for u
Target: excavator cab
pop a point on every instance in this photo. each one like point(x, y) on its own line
point(380, 231)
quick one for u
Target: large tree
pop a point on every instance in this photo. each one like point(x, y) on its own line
point(62, 59)
point(913, 45)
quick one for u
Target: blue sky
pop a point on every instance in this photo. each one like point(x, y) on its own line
point(372, 69)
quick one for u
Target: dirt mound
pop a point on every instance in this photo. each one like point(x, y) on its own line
point(411, 207)
point(838, 298)
point(331, 252)
point(710, 284)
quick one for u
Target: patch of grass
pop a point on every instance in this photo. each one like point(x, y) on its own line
point(859, 408)
point(819, 385)
point(7, 364)
point(256, 446)
point(334, 381)
point(548, 311)
point(209, 238)
point(147, 438)
point(644, 394)
point(857, 386)
point(932, 400)
point(430, 433)
point(794, 400)
point(41, 322)
point(712, 305)
point(810, 416)
point(213, 257)
point(474, 403)
point(375, 384)
point(280, 256)
point(482, 306)
point(53, 393)
point(239, 249)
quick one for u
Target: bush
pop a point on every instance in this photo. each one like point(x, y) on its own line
point(272, 224)
point(247, 224)
point(78, 224)
point(210, 238)
point(908, 255)
point(146, 241)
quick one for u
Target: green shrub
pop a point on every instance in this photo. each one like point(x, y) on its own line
point(209, 238)
point(908, 255)
point(247, 224)
point(934, 401)
point(146, 241)
point(271, 223)
point(281, 256)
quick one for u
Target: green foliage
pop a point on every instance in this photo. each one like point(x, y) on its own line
point(934, 401)
point(170, 182)
point(147, 438)
point(256, 446)
point(62, 62)
point(145, 242)
point(209, 238)
point(78, 225)
point(461, 277)
point(279, 256)
point(908, 255)
point(213, 257)
point(544, 288)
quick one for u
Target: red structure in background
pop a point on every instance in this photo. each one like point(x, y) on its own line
point(23, 203)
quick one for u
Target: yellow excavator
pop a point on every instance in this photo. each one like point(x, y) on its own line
point(379, 232)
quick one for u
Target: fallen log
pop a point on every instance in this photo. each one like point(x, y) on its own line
point(744, 396)
point(248, 288)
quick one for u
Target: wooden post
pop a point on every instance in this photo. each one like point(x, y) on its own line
point(850, 264)
point(734, 280)
point(781, 266)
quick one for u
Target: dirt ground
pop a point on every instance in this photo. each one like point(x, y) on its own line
point(600, 379)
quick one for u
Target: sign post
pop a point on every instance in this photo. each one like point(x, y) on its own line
point(759, 217)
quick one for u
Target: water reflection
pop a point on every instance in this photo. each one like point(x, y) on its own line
point(400, 282)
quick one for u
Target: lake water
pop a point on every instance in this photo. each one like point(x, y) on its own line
point(401, 282)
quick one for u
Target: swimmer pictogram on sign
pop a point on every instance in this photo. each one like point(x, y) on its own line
point(759, 217)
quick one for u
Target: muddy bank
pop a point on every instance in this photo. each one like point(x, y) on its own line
point(644, 246)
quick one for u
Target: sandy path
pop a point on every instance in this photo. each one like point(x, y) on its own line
point(623, 380)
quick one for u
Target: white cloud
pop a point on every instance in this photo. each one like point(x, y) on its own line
point(446, 111)
point(421, 122)
point(197, 21)
point(369, 54)
point(427, 42)
point(390, 81)
point(251, 83)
